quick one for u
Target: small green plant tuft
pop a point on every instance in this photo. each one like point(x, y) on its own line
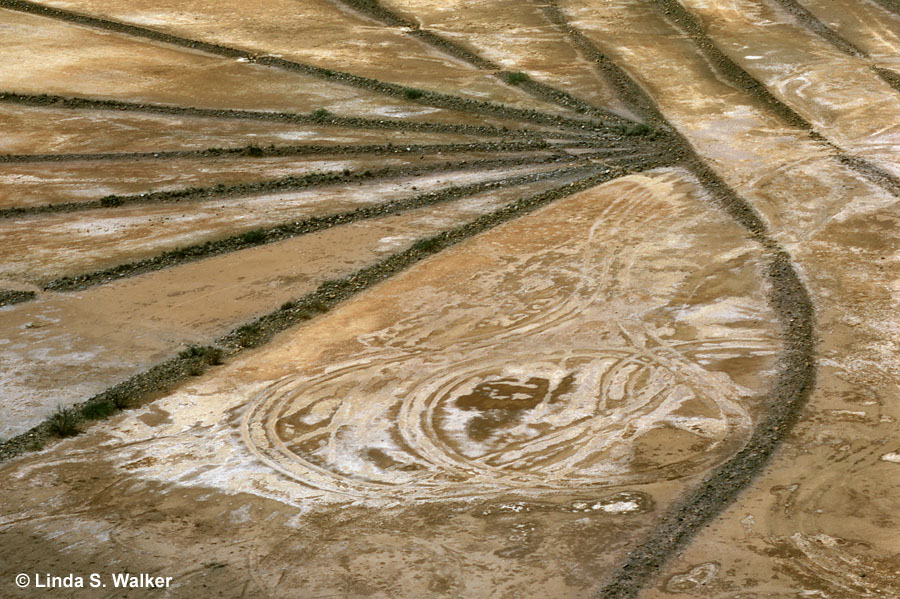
point(412, 93)
point(194, 351)
point(249, 334)
point(254, 236)
point(207, 354)
point(213, 356)
point(427, 245)
point(195, 369)
point(312, 309)
point(321, 113)
point(98, 410)
point(64, 422)
point(517, 78)
point(254, 151)
point(121, 400)
point(638, 129)
point(110, 201)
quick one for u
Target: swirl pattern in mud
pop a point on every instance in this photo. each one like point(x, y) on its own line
point(592, 374)
point(476, 426)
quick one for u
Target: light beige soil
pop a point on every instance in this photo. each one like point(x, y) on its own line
point(626, 297)
point(508, 418)
point(866, 25)
point(138, 71)
point(373, 50)
point(45, 130)
point(37, 250)
point(98, 337)
point(515, 36)
point(822, 521)
point(44, 183)
point(838, 94)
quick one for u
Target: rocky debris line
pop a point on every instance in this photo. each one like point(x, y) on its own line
point(273, 151)
point(283, 184)
point(542, 91)
point(788, 297)
point(15, 296)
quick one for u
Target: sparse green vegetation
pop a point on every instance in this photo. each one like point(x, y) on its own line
point(98, 410)
point(427, 245)
point(249, 334)
point(311, 309)
point(203, 354)
point(517, 78)
point(321, 113)
point(64, 422)
point(121, 401)
point(213, 356)
point(254, 236)
point(110, 201)
point(638, 129)
point(412, 94)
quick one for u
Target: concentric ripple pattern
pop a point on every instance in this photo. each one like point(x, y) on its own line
point(577, 382)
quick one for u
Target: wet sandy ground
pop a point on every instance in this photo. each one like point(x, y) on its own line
point(866, 25)
point(44, 130)
point(142, 72)
point(38, 250)
point(508, 350)
point(821, 522)
point(519, 41)
point(149, 318)
point(512, 416)
point(837, 93)
point(372, 51)
point(54, 183)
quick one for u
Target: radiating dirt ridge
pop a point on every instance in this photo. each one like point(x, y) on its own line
point(413, 299)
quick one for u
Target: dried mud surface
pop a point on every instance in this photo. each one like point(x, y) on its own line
point(423, 299)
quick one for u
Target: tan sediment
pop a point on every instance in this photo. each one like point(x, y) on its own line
point(864, 24)
point(95, 338)
point(40, 184)
point(515, 36)
point(44, 248)
point(46, 130)
point(147, 488)
point(838, 94)
point(372, 50)
point(821, 521)
point(59, 58)
point(628, 299)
